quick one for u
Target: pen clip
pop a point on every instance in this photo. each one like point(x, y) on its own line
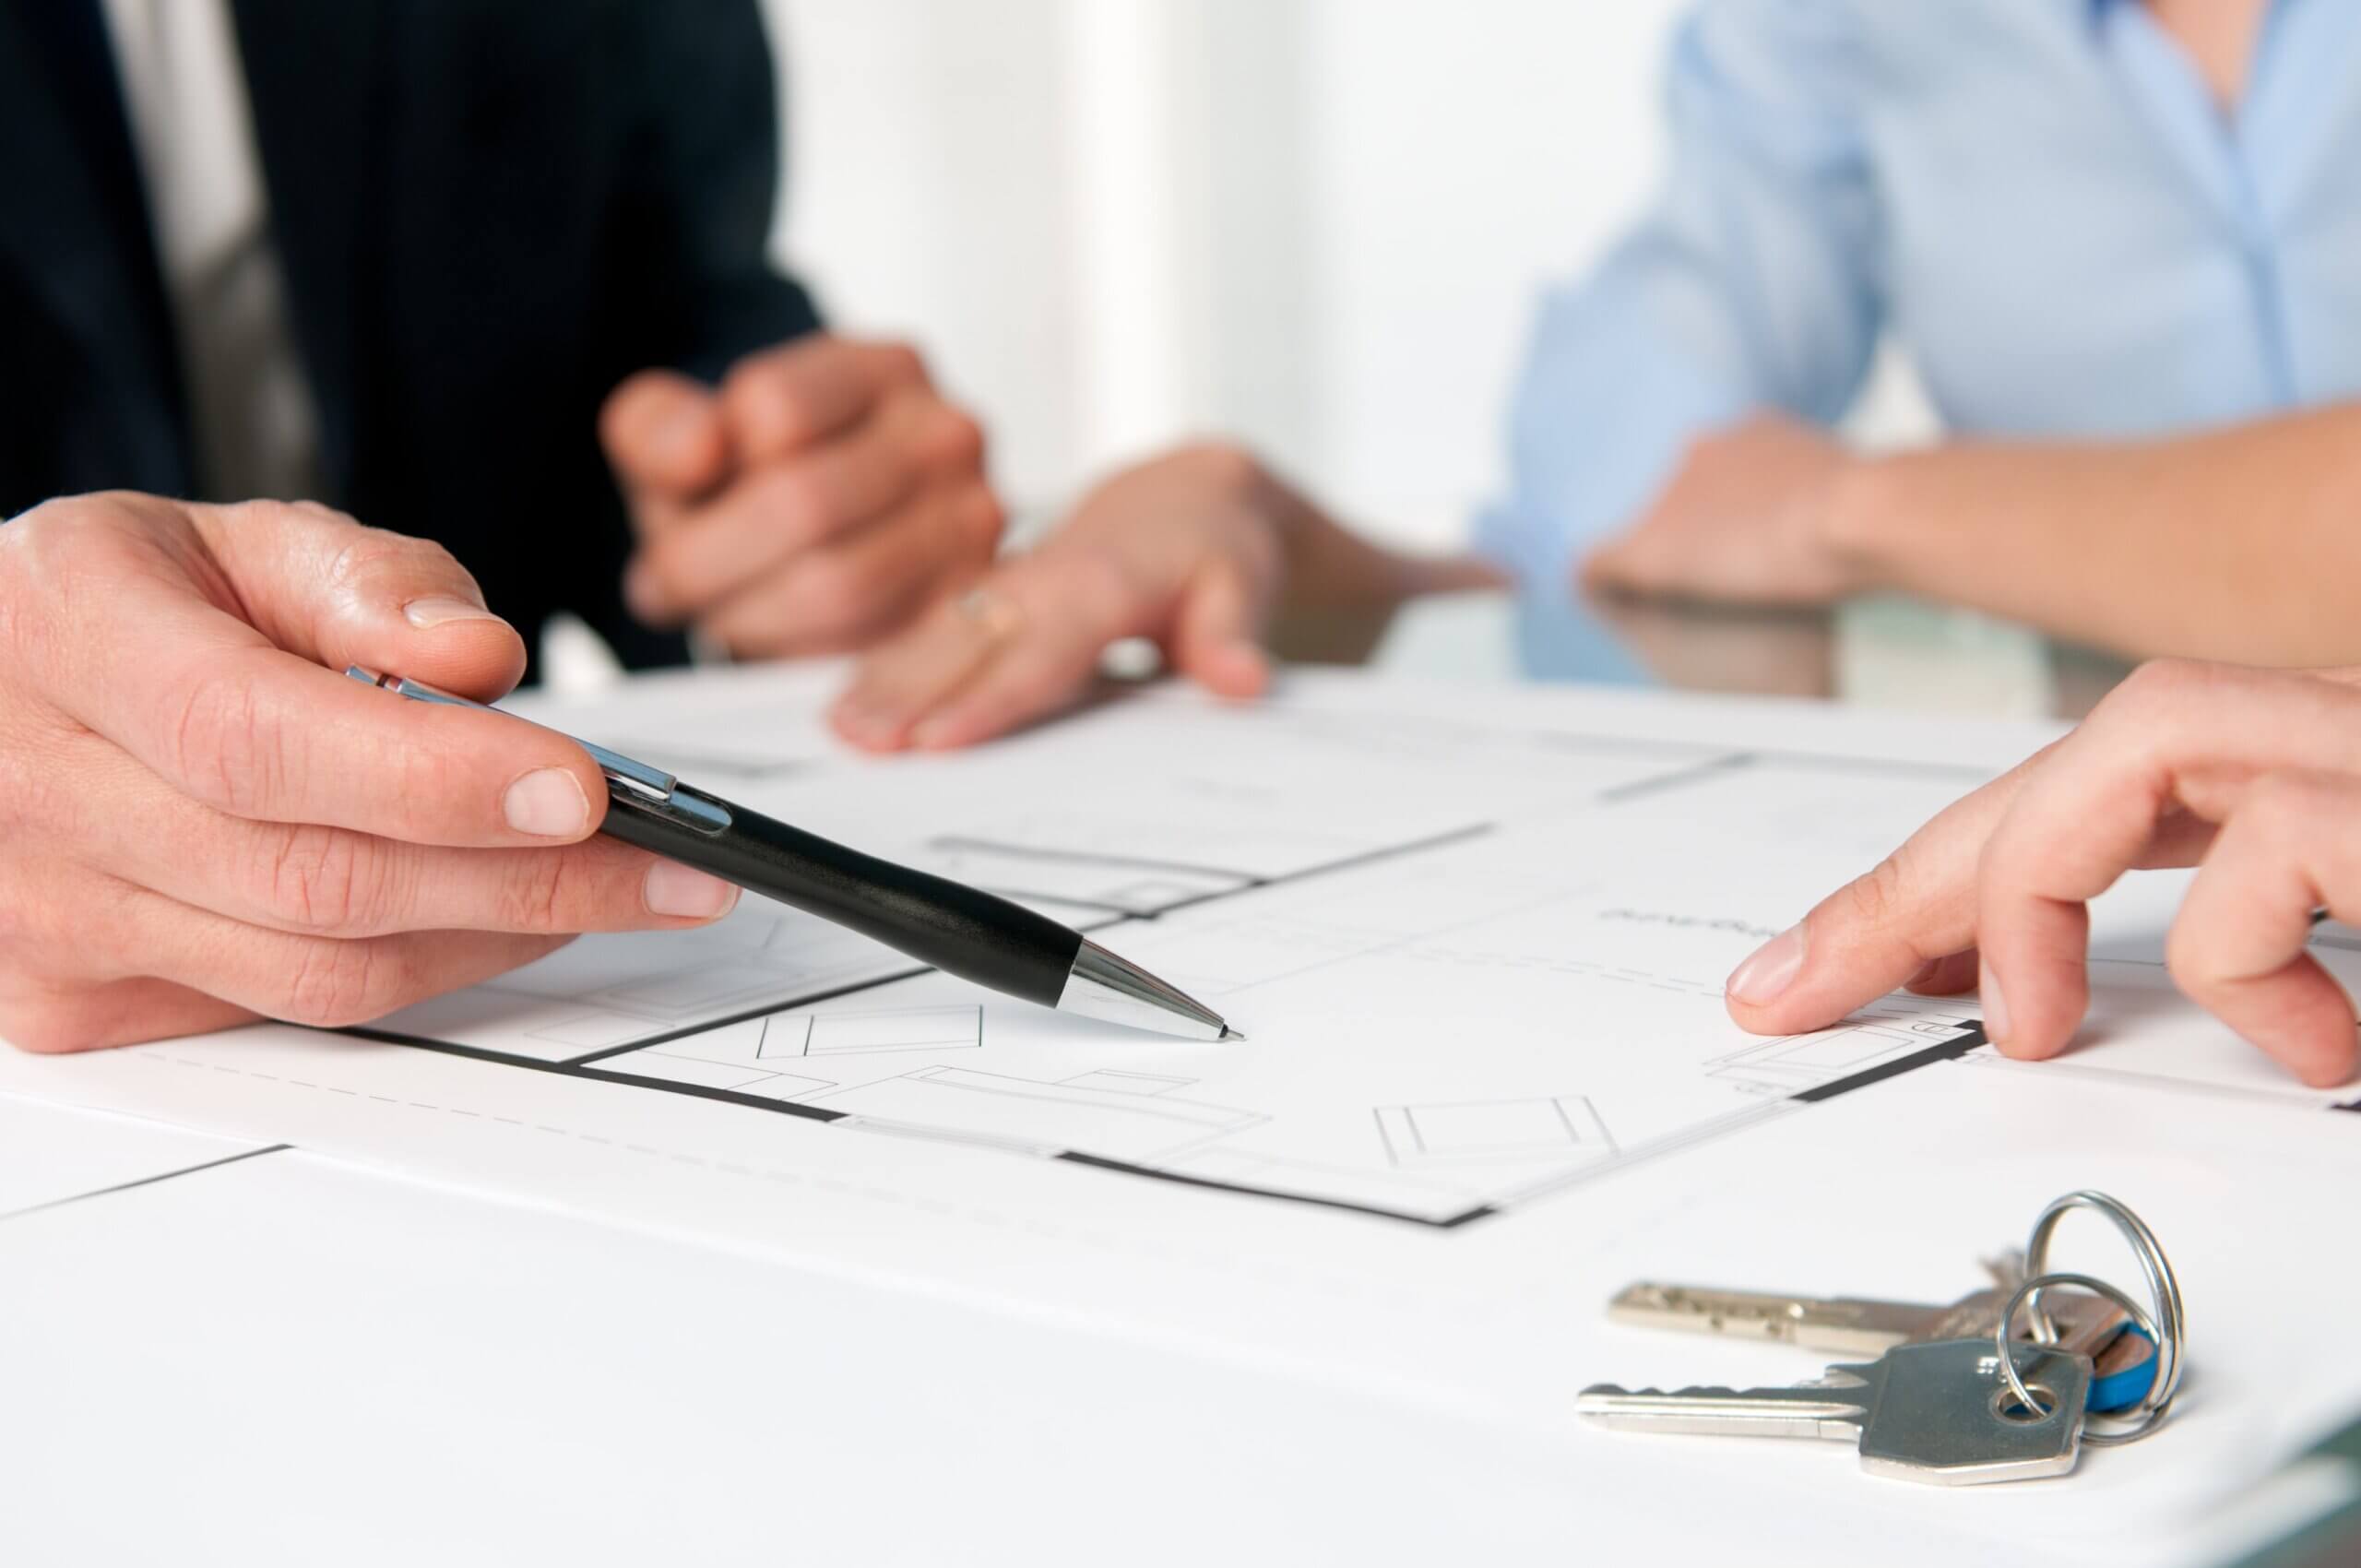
point(651, 785)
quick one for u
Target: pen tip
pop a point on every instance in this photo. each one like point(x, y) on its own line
point(1228, 1033)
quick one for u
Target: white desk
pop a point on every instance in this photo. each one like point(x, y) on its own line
point(283, 1361)
point(277, 1359)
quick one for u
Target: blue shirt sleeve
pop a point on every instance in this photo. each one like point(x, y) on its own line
point(1750, 284)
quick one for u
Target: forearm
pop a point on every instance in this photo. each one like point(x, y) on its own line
point(2242, 544)
point(1332, 569)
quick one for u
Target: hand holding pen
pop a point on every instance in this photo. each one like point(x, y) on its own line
point(977, 936)
point(201, 824)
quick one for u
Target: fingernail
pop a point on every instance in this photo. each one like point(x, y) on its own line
point(436, 610)
point(547, 802)
point(1768, 971)
point(1994, 1005)
point(686, 893)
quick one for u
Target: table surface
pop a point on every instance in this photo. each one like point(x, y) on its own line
point(280, 1359)
point(1882, 652)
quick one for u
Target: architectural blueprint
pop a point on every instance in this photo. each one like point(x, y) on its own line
point(1476, 939)
point(1476, 948)
point(1476, 963)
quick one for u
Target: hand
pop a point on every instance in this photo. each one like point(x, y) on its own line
point(1746, 519)
point(812, 504)
point(1189, 549)
point(2253, 775)
point(203, 821)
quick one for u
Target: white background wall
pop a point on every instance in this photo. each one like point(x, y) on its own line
point(1319, 224)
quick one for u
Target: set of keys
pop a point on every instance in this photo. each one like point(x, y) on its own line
point(1999, 1385)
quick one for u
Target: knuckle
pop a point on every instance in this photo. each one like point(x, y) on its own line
point(216, 744)
point(797, 498)
point(902, 362)
point(1229, 466)
point(961, 441)
point(2277, 805)
point(371, 552)
point(318, 512)
point(670, 562)
point(2160, 682)
point(985, 520)
point(2189, 960)
point(536, 893)
point(1877, 897)
point(831, 589)
point(326, 880)
point(334, 983)
point(1097, 578)
point(55, 555)
point(767, 393)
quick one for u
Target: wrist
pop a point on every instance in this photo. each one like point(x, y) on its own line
point(1859, 519)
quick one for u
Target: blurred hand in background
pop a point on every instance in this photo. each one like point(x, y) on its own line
point(817, 500)
point(1746, 517)
point(1202, 551)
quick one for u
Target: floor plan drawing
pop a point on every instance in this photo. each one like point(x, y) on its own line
point(1491, 1130)
point(1883, 1033)
point(834, 1034)
point(1458, 1000)
point(1467, 988)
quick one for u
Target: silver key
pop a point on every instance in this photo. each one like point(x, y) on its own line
point(1936, 1412)
point(1855, 1326)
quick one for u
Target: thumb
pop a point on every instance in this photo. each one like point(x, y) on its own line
point(664, 436)
point(323, 587)
point(1217, 635)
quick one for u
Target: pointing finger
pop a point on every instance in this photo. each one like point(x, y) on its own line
point(1878, 932)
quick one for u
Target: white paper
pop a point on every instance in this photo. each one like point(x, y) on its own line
point(1477, 991)
point(51, 1154)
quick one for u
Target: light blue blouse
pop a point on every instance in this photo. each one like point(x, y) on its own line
point(2038, 198)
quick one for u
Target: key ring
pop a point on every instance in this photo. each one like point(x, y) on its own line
point(2164, 1328)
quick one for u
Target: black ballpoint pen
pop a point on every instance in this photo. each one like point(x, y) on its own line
point(962, 931)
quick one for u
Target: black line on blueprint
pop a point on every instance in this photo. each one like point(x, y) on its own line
point(1100, 1162)
point(702, 1091)
point(1091, 858)
point(1100, 904)
point(1390, 853)
point(761, 1011)
point(425, 1042)
point(1824, 762)
point(1949, 1051)
point(1695, 773)
point(147, 1181)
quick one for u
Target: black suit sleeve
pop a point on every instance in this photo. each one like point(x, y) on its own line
point(701, 184)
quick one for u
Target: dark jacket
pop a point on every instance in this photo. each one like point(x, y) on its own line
point(489, 213)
